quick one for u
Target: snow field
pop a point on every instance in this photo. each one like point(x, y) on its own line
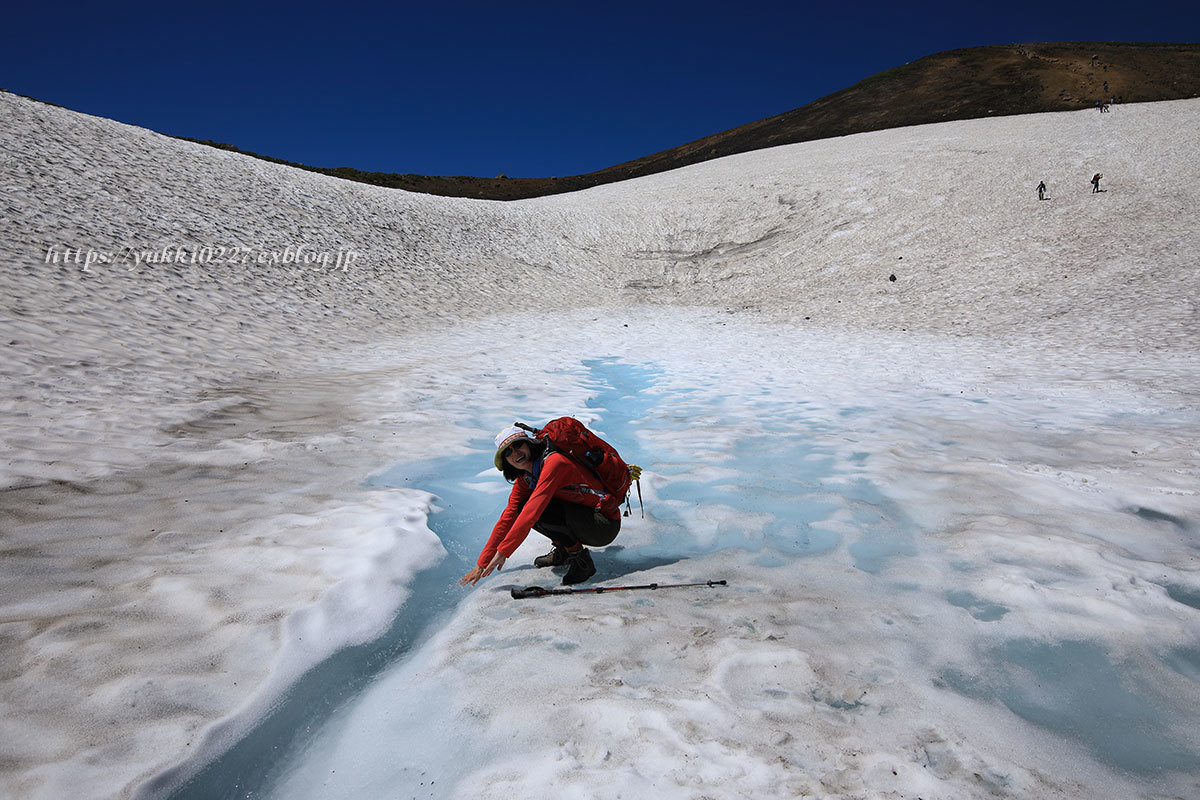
point(998, 453)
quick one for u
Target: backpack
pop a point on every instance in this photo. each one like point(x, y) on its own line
point(571, 438)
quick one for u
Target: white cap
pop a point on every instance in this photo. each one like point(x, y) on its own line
point(505, 438)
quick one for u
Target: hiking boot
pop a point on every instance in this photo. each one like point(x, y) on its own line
point(579, 567)
point(555, 558)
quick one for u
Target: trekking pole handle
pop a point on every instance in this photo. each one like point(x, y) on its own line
point(529, 591)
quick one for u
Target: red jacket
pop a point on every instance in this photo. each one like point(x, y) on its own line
point(560, 478)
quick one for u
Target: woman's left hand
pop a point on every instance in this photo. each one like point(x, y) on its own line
point(495, 564)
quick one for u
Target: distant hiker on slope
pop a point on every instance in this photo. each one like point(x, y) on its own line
point(1096, 182)
point(556, 495)
point(1041, 190)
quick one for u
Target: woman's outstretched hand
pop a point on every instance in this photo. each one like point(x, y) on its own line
point(476, 574)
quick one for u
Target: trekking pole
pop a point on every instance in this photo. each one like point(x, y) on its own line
point(538, 591)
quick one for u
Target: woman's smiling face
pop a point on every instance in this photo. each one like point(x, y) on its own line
point(518, 456)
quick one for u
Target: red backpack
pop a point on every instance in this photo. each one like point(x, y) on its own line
point(571, 437)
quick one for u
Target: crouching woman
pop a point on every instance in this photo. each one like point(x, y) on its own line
point(552, 495)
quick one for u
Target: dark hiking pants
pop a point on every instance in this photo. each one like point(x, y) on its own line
point(568, 524)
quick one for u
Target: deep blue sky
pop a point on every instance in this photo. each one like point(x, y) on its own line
point(480, 88)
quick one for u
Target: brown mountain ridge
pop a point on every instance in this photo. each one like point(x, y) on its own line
point(977, 82)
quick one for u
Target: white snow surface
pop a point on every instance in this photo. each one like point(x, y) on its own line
point(987, 586)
